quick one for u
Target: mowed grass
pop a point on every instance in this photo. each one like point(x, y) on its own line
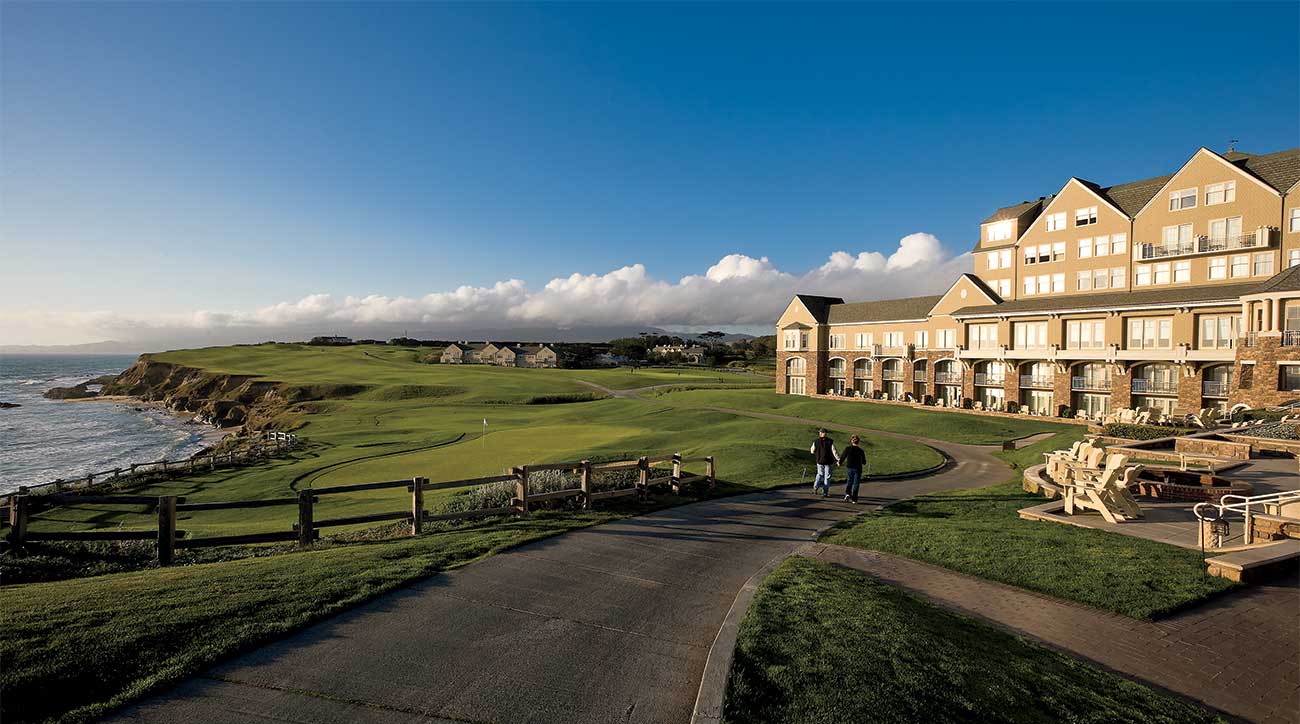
point(978, 532)
point(827, 644)
point(948, 425)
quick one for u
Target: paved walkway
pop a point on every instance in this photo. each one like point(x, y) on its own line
point(603, 625)
point(1239, 653)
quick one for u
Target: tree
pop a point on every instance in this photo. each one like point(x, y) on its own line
point(711, 338)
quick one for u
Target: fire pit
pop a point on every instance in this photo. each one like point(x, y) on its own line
point(1190, 485)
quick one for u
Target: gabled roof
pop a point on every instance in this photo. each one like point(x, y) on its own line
point(1129, 197)
point(460, 346)
point(1110, 300)
point(1287, 280)
point(884, 310)
point(818, 306)
point(1015, 211)
point(1280, 169)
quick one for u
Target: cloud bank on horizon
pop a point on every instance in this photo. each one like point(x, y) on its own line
point(738, 291)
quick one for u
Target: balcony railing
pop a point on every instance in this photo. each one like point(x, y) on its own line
point(891, 351)
point(1210, 388)
point(1250, 339)
point(1090, 384)
point(1202, 245)
point(1291, 338)
point(891, 376)
point(989, 379)
point(918, 376)
point(1142, 384)
point(1032, 381)
point(947, 378)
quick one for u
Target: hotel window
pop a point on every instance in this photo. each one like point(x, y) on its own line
point(1056, 222)
point(993, 260)
point(1004, 288)
point(1058, 283)
point(1031, 255)
point(1218, 268)
point(1085, 248)
point(1083, 281)
point(1162, 273)
point(1225, 229)
point(1184, 199)
point(1000, 231)
point(1031, 335)
point(1086, 334)
point(1044, 283)
point(1058, 251)
point(837, 341)
point(1005, 254)
point(1220, 193)
point(1154, 333)
point(1293, 258)
point(1219, 332)
point(983, 336)
point(1101, 246)
point(1118, 243)
point(922, 340)
point(893, 339)
point(1177, 234)
point(1118, 277)
point(862, 341)
point(1099, 278)
point(1143, 276)
point(796, 340)
point(1182, 271)
point(1029, 285)
point(947, 338)
point(1240, 266)
point(1084, 217)
point(1289, 379)
point(1293, 221)
point(1264, 264)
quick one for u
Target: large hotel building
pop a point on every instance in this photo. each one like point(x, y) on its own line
point(1178, 292)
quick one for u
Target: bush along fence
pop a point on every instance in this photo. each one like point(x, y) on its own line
point(266, 445)
point(523, 487)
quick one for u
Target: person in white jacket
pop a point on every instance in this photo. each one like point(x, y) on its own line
point(824, 454)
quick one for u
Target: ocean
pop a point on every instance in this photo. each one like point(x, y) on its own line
point(44, 440)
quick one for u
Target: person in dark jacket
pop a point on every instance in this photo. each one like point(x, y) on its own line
point(823, 450)
point(853, 460)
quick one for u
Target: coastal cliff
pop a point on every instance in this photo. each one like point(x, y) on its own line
point(225, 400)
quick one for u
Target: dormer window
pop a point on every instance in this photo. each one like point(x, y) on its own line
point(1184, 199)
point(1001, 231)
point(1084, 217)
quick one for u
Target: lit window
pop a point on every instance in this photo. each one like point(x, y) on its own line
point(1182, 271)
point(1219, 268)
point(1220, 193)
point(1143, 276)
point(1118, 277)
point(1056, 222)
point(1240, 266)
point(1264, 264)
point(1001, 231)
point(1162, 273)
point(1085, 248)
point(1118, 243)
point(1184, 199)
point(1084, 217)
point(1083, 281)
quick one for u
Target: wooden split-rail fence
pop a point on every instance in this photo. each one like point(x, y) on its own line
point(268, 444)
point(307, 530)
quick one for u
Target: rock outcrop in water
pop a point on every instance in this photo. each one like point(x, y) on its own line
point(9, 405)
point(76, 392)
point(223, 399)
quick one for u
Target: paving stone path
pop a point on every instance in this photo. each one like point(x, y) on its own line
point(1239, 653)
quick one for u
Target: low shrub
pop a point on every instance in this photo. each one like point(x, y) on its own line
point(563, 398)
point(1129, 431)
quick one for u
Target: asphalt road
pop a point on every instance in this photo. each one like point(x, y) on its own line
point(603, 625)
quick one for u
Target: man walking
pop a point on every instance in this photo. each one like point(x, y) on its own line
point(853, 460)
point(823, 450)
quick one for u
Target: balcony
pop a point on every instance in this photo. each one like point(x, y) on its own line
point(989, 380)
point(891, 375)
point(1250, 339)
point(1090, 384)
point(1143, 385)
point(1032, 381)
point(1203, 245)
point(1210, 388)
point(918, 376)
point(947, 378)
point(1291, 338)
point(882, 350)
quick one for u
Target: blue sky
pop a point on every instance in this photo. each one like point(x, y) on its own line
point(161, 159)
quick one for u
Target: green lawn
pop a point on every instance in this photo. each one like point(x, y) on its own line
point(826, 644)
point(979, 533)
point(950, 426)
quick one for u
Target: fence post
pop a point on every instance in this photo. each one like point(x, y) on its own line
point(306, 529)
point(417, 505)
point(166, 528)
point(708, 469)
point(17, 520)
point(585, 474)
point(521, 488)
point(643, 475)
point(677, 473)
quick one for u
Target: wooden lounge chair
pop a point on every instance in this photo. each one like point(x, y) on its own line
point(1100, 491)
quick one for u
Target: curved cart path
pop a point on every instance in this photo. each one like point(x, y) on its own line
point(607, 624)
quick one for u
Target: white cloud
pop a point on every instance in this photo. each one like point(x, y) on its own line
point(738, 290)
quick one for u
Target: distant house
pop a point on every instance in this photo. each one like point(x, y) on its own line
point(457, 353)
point(330, 340)
point(503, 355)
point(663, 350)
point(695, 355)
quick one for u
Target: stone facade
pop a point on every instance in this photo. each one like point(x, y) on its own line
point(1257, 374)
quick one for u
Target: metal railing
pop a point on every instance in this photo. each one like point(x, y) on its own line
point(947, 378)
point(989, 379)
point(891, 376)
point(1090, 384)
point(1143, 384)
point(918, 375)
point(891, 351)
point(1036, 381)
point(1291, 338)
point(1250, 339)
point(1201, 245)
point(1211, 388)
point(1266, 504)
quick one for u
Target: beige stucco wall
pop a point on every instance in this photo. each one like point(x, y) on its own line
point(1073, 196)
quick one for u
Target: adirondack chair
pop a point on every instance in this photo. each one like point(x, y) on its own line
point(1056, 461)
point(1097, 490)
point(1120, 496)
